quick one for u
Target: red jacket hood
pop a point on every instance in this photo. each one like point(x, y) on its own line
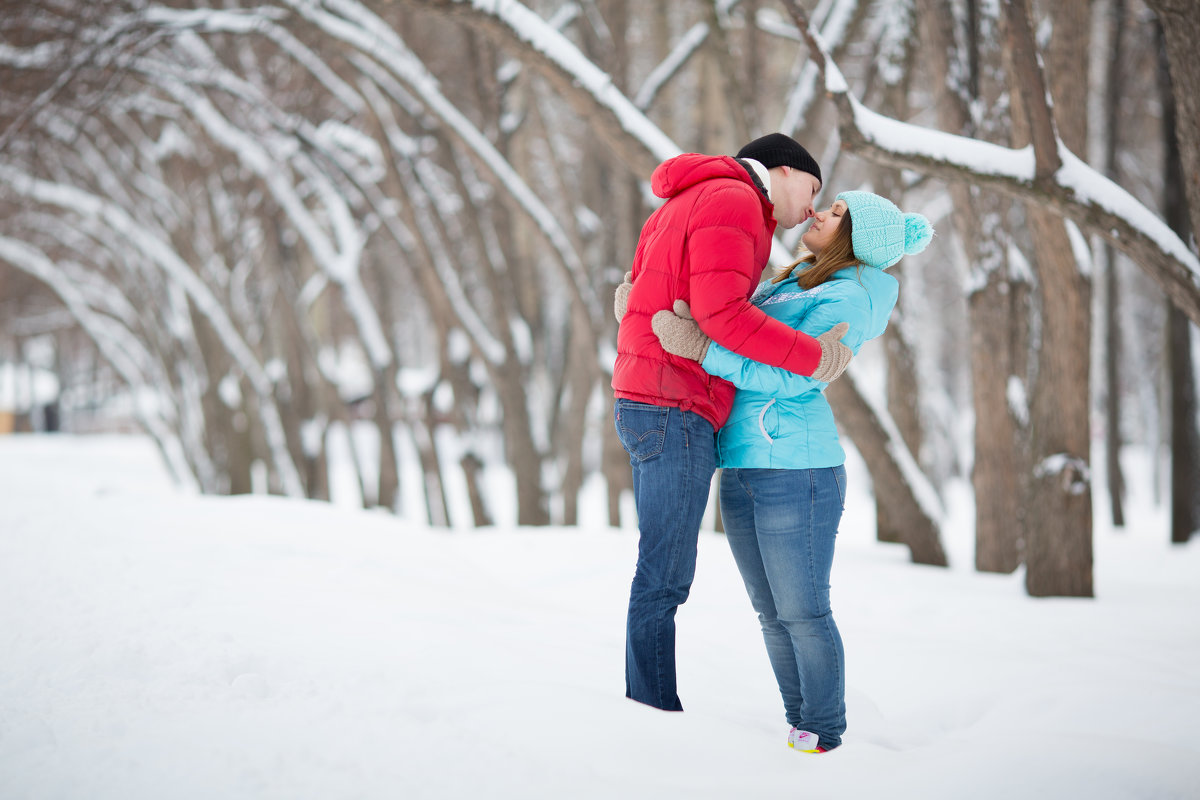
point(682, 172)
point(707, 245)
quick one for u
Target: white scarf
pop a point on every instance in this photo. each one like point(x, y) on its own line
point(763, 174)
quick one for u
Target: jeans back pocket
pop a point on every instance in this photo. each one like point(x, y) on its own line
point(641, 427)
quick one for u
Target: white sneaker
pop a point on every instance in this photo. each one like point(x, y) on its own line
point(804, 741)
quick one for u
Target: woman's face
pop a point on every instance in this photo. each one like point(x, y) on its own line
point(824, 225)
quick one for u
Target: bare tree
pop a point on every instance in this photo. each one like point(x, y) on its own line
point(396, 227)
point(997, 291)
point(1184, 437)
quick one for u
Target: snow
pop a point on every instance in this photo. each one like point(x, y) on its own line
point(1072, 468)
point(1018, 399)
point(157, 644)
point(1090, 186)
point(24, 388)
point(40, 56)
point(347, 368)
point(901, 137)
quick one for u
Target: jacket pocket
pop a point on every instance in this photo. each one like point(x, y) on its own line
point(642, 428)
point(766, 420)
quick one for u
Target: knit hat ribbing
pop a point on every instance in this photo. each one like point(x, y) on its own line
point(780, 150)
point(881, 233)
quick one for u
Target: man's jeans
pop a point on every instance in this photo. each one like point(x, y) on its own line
point(673, 455)
point(781, 525)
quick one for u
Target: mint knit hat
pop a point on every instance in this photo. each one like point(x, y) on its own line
point(881, 233)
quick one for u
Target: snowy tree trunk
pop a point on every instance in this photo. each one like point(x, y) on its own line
point(1114, 358)
point(996, 312)
point(1059, 552)
point(471, 466)
point(1000, 438)
point(913, 506)
point(1185, 444)
point(388, 495)
point(425, 436)
point(1181, 379)
point(903, 394)
point(618, 475)
point(903, 377)
point(579, 381)
point(1180, 21)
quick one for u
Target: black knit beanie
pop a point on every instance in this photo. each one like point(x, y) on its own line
point(780, 150)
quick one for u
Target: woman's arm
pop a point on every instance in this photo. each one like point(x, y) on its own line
point(836, 304)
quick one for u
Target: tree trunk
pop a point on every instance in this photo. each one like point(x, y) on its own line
point(436, 505)
point(1000, 438)
point(618, 475)
point(1113, 357)
point(572, 425)
point(471, 466)
point(996, 308)
point(903, 392)
point(1180, 21)
point(728, 82)
point(523, 456)
point(1059, 552)
point(903, 379)
point(1185, 443)
point(388, 495)
point(1185, 439)
point(893, 471)
point(1113, 363)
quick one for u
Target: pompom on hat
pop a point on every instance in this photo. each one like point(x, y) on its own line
point(781, 150)
point(881, 233)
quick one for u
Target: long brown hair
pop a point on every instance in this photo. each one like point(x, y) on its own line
point(838, 254)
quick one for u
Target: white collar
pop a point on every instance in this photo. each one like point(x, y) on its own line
point(763, 174)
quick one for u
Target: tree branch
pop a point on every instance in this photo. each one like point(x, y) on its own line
point(1074, 190)
point(1031, 83)
point(638, 143)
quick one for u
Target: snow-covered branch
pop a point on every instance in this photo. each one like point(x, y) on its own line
point(684, 49)
point(368, 34)
point(1074, 190)
point(899, 484)
point(638, 142)
point(116, 344)
point(165, 258)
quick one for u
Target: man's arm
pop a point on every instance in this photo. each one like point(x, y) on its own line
point(852, 308)
point(679, 335)
point(723, 271)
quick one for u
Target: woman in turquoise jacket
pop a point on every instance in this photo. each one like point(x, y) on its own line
point(783, 484)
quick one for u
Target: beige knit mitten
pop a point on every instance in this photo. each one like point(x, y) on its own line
point(835, 356)
point(621, 299)
point(679, 334)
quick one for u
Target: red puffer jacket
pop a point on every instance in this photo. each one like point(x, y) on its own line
point(708, 245)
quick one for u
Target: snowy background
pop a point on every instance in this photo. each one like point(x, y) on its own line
point(157, 644)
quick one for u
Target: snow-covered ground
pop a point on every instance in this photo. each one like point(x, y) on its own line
point(155, 644)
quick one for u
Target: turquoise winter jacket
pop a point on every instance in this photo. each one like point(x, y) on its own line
point(781, 420)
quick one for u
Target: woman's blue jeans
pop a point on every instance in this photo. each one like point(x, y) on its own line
point(673, 456)
point(781, 525)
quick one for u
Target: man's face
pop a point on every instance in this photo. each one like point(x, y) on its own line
point(793, 192)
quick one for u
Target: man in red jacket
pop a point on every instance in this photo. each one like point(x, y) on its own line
point(706, 245)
